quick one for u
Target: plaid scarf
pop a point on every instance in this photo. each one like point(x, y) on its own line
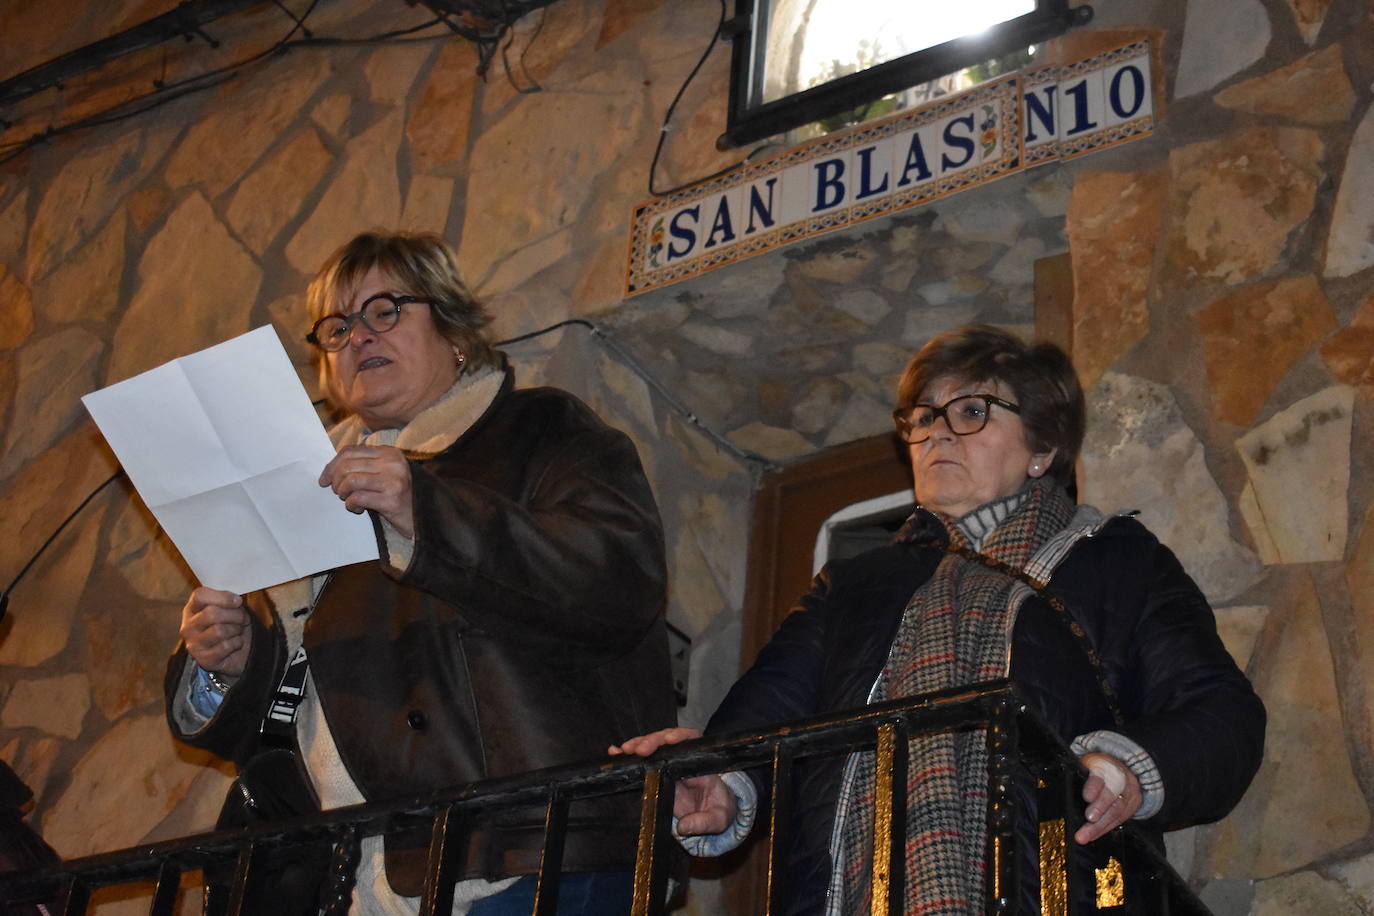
point(955, 631)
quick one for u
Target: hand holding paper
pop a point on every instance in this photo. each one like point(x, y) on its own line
point(226, 451)
point(376, 478)
point(216, 630)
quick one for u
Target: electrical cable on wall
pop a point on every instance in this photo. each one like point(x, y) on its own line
point(668, 119)
point(5, 595)
point(169, 92)
point(678, 407)
point(165, 93)
point(759, 463)
point(533, 84)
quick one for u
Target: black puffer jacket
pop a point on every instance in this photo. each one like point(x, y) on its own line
point(526, 632)
point(1181, 694)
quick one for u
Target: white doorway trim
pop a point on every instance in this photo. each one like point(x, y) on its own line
point(875, 506)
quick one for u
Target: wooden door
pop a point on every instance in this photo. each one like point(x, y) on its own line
point(789, 508)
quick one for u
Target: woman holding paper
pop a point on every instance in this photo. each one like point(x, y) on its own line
point(485, 641)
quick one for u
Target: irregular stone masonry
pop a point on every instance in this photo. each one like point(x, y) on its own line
point(1223, 276)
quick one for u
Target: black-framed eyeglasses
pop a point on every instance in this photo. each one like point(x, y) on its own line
point(378, 314)
point(965, 415)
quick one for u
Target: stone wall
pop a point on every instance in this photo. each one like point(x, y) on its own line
point(1222, 315)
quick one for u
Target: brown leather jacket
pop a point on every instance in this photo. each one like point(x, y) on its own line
point(526, 632)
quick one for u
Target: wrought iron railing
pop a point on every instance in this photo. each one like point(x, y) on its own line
point(1020, 745)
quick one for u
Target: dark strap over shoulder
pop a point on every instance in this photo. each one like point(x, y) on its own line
point(1061, 613)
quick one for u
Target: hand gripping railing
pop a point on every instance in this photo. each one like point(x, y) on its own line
point(1020, 747)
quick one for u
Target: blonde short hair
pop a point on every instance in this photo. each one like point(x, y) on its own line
point(421, 265)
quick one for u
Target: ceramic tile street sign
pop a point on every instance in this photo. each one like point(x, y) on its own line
point(959, 142)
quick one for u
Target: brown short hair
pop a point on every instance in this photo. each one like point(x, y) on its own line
point(421, 264)
point(1040, 375)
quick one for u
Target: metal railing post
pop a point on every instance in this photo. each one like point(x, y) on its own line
point(443, 864)
point(1002, 889)
point(165, 895)
point(651, 876)
point(1054, 800)
point(779, 822)
point(889, 819)
point(343, 873)
point(551, 859)
point(215, 900)
point(74, 898)
point(238, 891)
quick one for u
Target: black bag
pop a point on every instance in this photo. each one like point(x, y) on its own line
point(273, 787)
point(21, 849)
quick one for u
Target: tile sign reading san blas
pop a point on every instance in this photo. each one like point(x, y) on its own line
point(958, 142)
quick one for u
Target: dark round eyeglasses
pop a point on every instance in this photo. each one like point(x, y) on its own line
point(378, 314)
point(965, 415)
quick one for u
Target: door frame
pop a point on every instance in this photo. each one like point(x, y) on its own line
point(790, 506)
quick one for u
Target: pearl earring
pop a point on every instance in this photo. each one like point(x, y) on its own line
point(460, 359)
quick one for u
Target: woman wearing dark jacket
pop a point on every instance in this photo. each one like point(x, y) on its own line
point(993, 427)
point(513, 621)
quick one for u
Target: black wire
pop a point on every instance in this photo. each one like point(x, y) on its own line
point(759, 461)
point(163, 97)
point(167, 93)
point(159, 98)
point(471, 35)
point(298, 24)
point(525, 70)
point(550, 329)
point(487, 44)
point(668, 118)
point(5, 595)
point(395, 35)
point(299, 20)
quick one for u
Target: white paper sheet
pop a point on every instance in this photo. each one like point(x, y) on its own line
point(226, 451)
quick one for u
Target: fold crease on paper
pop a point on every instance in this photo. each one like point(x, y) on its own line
point(226, 449)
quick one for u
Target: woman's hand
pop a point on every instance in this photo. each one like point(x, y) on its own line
point(702, 804)
point(1112, 793)
point(645, 745)
point(375, 477)
point(216, 630)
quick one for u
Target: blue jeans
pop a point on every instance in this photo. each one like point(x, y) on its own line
point(596, 893)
